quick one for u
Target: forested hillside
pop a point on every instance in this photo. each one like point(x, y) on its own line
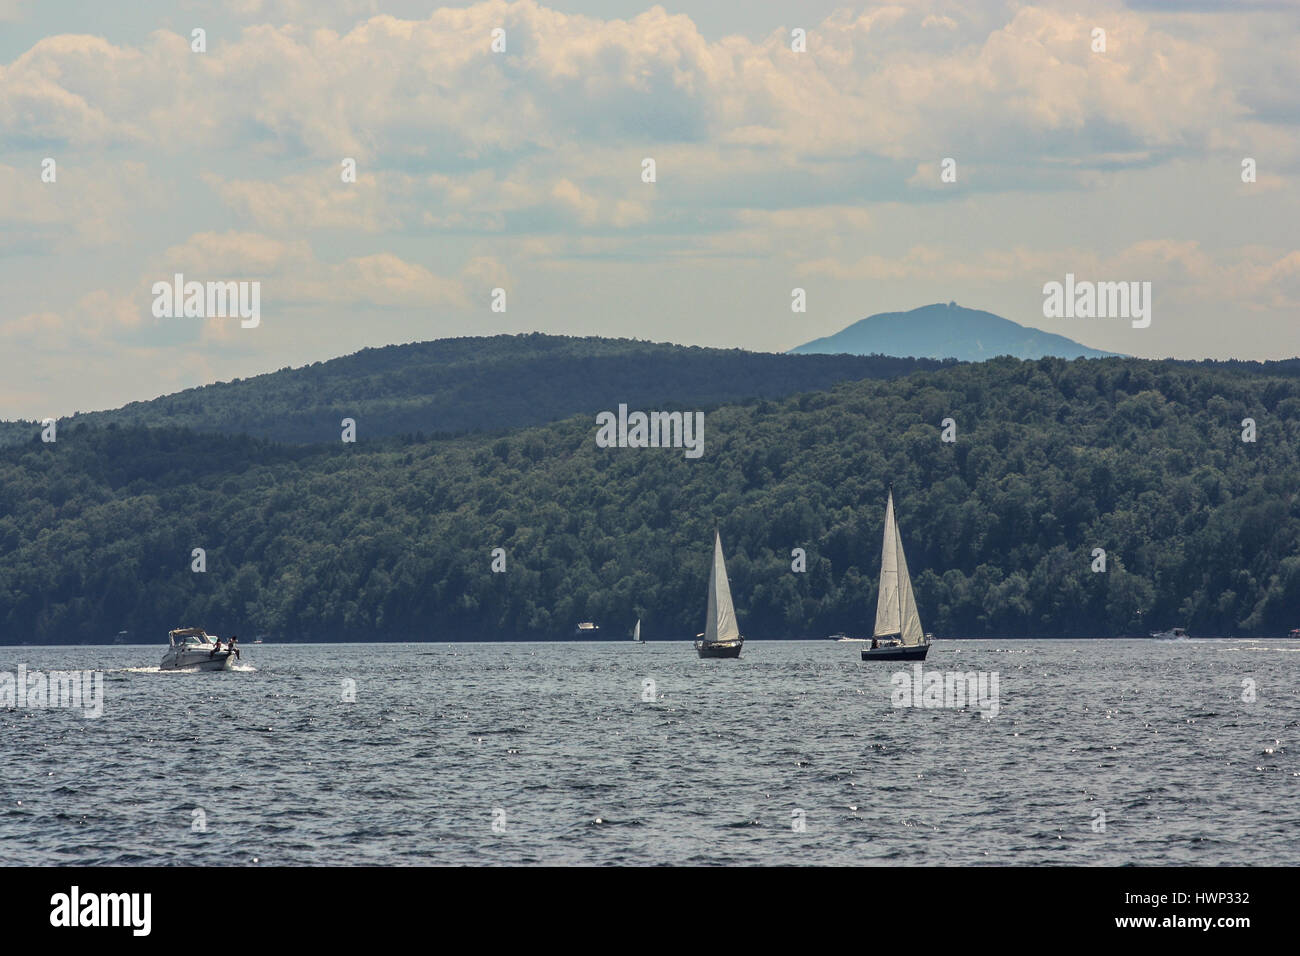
point(485, 383)
point(391, 539)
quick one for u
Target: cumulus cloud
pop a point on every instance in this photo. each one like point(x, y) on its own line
point(293, 275)
point(477, 201)
point(34, 328)
point(97, 318)
point(84, 206)
point(236, 255)
point(431, 90)
point(290, 275)
point(317, 199)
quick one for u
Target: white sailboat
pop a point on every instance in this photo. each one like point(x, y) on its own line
point(721, 637)
point(636, 633)
point(897, 635)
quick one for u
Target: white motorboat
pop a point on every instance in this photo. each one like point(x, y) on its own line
point(1173, 634)
point(193, 648)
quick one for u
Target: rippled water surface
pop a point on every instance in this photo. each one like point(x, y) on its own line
point(1153, 739)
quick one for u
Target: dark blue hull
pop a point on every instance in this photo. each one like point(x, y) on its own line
point(731, 649)
point(916, 652)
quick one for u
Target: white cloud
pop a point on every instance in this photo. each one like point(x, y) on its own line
point(86, 205)
point(235, 255)
point(431, 89)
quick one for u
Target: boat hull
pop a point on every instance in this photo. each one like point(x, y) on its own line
point(197, 661)
point(898, 652)
point(727, 649)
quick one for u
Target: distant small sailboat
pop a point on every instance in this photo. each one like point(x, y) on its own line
point(898, 621)
point(636, 633)
point(721, 637)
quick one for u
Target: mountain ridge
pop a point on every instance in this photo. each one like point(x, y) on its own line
point(481, 384)
point(942, 330)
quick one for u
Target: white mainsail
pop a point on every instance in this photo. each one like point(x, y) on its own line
point(636, 633)
point(896, 612)
point(721, 624)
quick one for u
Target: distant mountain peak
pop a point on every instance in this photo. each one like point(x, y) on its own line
point(946, 331)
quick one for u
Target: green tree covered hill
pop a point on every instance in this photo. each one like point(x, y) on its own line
point(487, 383)
point(391, 539)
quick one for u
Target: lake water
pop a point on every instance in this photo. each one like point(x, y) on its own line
point(1101, 753)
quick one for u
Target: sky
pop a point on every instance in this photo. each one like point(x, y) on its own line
point(776, 169)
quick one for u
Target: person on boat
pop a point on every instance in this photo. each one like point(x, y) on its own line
point(875, 643)
point(234, 645)
point(215, 649)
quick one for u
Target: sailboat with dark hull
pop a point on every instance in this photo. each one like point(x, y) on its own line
point(897, 635)
point(721, 637)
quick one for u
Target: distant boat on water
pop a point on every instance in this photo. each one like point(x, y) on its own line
point(636, 633)
point(586, 629)
point(721, 637)
point(897, 635)
point(193, 647)
point(1173, 634)
point(1295, 634)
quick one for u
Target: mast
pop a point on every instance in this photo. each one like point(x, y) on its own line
point(888, 608)
point(720, 624)
point(896, 612)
